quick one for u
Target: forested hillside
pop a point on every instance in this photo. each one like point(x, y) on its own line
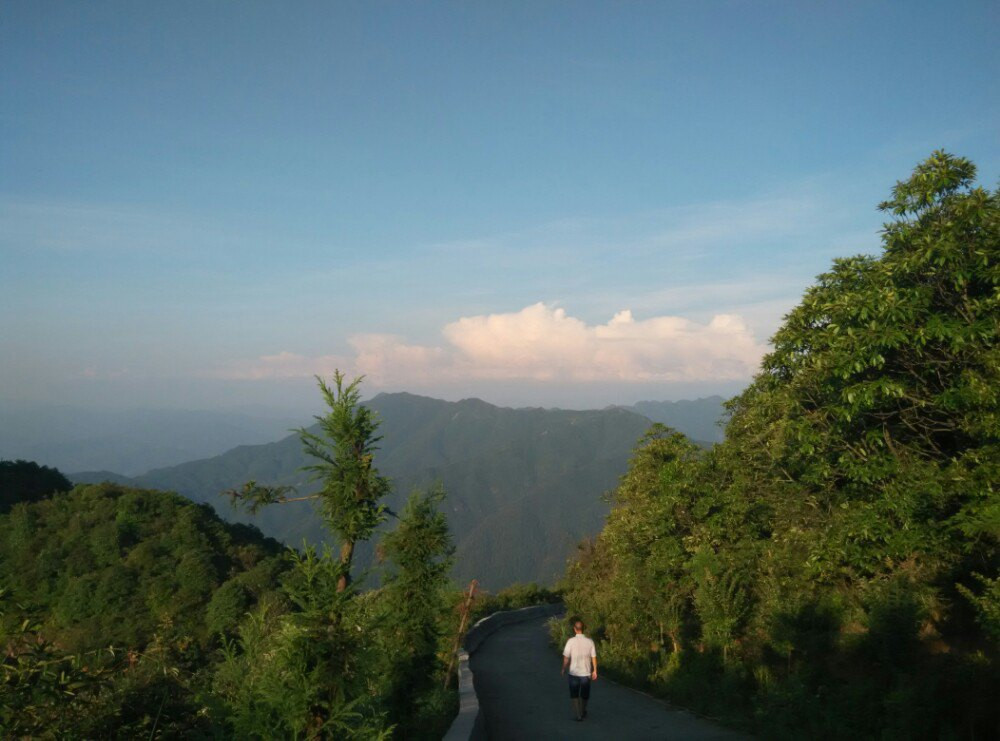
point(26, 481)
point(109, 565)
point(524, 485)
point(832, 570)
point(113, 601)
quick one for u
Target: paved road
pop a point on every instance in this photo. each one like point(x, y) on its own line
point(522, 696)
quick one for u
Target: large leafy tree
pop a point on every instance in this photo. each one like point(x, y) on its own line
point(880, 405)
point(645, 533)
point(839, 553)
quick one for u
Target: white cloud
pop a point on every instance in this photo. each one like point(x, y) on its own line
point(540, 343)
point(386, 359)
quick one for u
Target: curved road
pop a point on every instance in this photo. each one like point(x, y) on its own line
point(522, 696)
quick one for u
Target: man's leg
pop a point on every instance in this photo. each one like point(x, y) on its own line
point(584, 695)
point(574, 696)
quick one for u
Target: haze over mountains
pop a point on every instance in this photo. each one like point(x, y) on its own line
point(524, 485)
point(129, 441)
point(696, 418)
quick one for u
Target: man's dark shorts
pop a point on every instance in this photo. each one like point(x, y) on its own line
point(579, 687)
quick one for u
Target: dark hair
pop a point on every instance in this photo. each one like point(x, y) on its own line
point(578, 623)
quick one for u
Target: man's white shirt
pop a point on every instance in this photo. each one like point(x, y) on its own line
point(580, 651)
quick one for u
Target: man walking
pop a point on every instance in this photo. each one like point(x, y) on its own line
point(580, 656)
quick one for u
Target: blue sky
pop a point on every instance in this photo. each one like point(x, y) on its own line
point(202, 204)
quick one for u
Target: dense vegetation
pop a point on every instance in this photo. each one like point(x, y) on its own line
point(108, 565)
point(181, 625)
point(832, 570)
point(26, 481)
point(113, 602)
point(513, 597)
point(346, 663)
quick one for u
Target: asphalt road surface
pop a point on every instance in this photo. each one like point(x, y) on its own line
point(522, 696)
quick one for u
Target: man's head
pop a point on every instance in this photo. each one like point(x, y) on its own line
point(578, 626)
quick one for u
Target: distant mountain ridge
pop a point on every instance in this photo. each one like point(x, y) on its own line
point(128, 441)
point(699, 419)
point(524, 485)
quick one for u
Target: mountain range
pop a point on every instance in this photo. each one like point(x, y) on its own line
point(524, 485)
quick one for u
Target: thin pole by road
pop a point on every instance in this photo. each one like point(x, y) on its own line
point(522, 696)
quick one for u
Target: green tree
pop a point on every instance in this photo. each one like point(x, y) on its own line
point(414, 604)
point(880, 404)
point(227, 607)
point(837, 557)
point(309, 672)
point(106, 564)
point(342, 662)
point(352, 488)
point(26, 481)
point(653, 514)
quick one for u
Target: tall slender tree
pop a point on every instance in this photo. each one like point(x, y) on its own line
point(352, 489)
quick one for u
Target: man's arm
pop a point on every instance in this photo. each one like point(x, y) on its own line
point(593, 666)
point(565, 664)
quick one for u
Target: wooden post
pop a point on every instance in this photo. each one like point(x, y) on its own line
point(461, 630)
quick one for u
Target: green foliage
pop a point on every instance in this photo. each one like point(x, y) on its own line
point(513, 597)
point(41, 689)
point(343, 447)
point(986, 604)
point(226, 608)
point(419, 552)
point(341, 663)
point(48, 693)
point(110, 565)
point(303, 673)
point(26, 481)
point(416, 622)
point(831, 569)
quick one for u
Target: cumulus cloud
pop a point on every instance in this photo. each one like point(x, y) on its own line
point(386, 359)
point(542, 343)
